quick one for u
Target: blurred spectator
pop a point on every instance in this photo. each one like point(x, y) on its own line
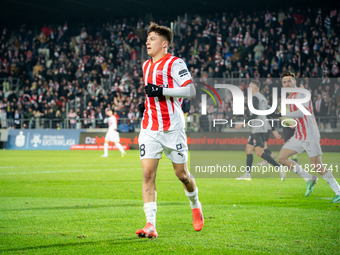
point(72, 117)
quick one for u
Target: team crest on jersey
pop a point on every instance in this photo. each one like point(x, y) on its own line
point(159, 72)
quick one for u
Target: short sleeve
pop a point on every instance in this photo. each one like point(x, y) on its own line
point(180, 73)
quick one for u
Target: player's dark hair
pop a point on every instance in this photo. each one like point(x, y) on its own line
point(257, 83)
point(287, 73)
point(162, 31)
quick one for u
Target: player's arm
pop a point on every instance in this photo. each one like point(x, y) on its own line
point(276, 134)
point(296, 114)
point(105, 120)
point(187, 91)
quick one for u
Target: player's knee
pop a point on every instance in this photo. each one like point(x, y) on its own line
point(281, 159)
point(148, 175)
point(183, 177)
point(317, 163)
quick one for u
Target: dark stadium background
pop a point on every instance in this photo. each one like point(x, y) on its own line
point(18, 11)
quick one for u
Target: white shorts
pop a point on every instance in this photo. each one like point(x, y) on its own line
point(311, 146)
point(174, 144)
point(112, 136)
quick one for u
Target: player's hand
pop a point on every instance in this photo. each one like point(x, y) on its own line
point(153, 90)
point(275, 115)
point(238, 126)
point(276, 134)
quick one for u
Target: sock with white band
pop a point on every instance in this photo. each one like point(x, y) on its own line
point(150, 210)
point(193, 197)
point(302, 172)
point(120, 147)
point(106, 148)
point(329, 178)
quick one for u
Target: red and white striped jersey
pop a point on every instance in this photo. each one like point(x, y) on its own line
point(164, 113)
point(112, 122)
point(306, 126)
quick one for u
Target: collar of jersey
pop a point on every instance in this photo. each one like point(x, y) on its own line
point(167, 55)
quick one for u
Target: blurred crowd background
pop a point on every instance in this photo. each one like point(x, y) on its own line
point(64, 75)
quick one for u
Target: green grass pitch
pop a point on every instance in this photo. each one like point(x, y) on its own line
point(75, 202)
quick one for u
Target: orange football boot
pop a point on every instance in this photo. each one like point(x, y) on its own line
point(148, 231)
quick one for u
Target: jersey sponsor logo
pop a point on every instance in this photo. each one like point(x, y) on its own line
point(183, 72)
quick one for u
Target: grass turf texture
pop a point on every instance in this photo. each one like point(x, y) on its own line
point(75, 202)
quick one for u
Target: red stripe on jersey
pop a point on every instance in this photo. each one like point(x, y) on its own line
point(152, 103)
point(310, 107)
point(303, 128)
point(171, 81)
point(162, 100)
point(294, 108)
point(146, 113)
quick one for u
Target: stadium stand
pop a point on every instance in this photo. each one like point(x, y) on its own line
point(45, 74)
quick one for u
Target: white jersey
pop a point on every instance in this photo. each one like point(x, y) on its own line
point(112, 122)
point(306, 127)
point(165, 113)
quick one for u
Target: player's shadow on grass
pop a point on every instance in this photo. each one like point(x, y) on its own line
point(109, 242)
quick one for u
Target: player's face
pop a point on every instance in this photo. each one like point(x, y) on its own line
point(155, 44)
point(109, 113)
point(288, 82)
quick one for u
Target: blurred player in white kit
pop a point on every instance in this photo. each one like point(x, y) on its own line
point(112, 135)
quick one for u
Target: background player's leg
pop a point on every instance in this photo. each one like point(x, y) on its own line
point(249, 162)
point(326, 175)
point(262, 154)
point(283, 158)
point(120, 148)
point(149, 189)
point(106, 149)
point(266, 149)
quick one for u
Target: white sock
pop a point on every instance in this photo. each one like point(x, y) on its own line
point(193, 197)
point(329, 178)
point(302, 172)
point(106, 148)
point(120, 147)
point(150, 210)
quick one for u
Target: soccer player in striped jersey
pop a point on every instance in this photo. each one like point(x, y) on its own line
point(306, 138)
point(167, 80)
point(112, 135)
